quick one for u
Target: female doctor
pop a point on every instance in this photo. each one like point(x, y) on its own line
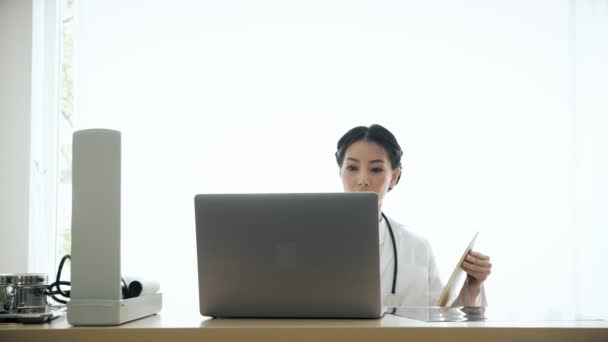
point(370, 160)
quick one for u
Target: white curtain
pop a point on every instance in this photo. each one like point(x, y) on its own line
point(241, 96)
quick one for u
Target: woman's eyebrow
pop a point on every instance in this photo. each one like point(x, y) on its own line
point(371, 162)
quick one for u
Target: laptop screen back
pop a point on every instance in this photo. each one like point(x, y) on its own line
point(288, 255)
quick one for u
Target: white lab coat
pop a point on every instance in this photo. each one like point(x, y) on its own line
point(418, 282)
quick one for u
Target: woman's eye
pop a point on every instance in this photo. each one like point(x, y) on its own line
point(351, 168)
point(377, 170)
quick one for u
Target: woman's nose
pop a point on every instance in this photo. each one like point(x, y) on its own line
point(363, 181)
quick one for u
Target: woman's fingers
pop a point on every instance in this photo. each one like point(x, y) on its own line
point(467, 266)
point(481, 276)
point(475, 260)
point(479, 255)
point(477, 265)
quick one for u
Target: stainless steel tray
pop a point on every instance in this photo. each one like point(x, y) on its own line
point(41, 317)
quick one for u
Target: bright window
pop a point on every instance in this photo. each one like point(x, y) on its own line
point(240, 96)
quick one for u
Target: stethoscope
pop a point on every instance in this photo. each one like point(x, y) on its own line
point(390, 230)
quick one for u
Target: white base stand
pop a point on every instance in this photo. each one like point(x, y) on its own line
point(112, 312)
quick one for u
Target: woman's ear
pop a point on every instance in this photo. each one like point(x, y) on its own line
point(396, 173)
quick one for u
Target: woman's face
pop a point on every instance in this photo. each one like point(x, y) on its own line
point(367, 167)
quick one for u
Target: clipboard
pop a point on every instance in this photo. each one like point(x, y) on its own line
point(456, 281)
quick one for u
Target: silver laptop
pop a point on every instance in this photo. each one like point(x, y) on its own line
point(288, 255)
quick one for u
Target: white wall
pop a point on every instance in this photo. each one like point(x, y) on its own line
point(15, 105)
point(590, 82)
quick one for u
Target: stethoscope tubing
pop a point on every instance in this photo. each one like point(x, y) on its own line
point(395, 268)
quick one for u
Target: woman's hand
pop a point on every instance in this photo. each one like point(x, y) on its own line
point(478, 268)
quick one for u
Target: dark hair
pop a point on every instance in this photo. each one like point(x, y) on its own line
point(374, 133)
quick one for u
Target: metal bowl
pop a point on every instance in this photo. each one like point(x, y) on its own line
point(6, 292)
point(29, 293)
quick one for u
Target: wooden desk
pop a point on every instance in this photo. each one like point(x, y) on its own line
point(172, 327)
